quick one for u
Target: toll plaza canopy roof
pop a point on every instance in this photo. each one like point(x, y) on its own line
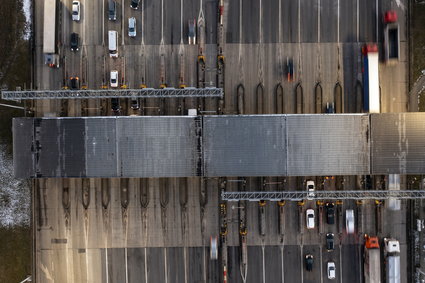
point(213, 146)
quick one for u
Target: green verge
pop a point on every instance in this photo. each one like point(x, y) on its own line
point(15, 253)
point(418, 46)
point(15, 64)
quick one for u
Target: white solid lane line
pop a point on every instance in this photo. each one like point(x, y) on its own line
point(264, 264)
point(357, 14)
point(338, 24)
point(162, 22)
point(122, 24)
point(181, 21)
point(165, 265)
point(321, 264)
point(146, 267)
point(185, 263)
point(282, 264)
point(376, 20)
point(103, 23)
point(318, 21)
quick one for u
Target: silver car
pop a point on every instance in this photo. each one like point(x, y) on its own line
point(192, 32)
point(132, 27)
point(214, 248)
point(331, 270)
point(76, 11)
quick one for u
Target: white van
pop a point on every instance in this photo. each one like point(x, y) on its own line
point(113, 43)
point(309, 214)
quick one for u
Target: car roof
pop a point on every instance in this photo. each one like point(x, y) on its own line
point(349, 213)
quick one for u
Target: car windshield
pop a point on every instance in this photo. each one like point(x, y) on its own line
point(191, 29)
point(113, 80)
point(131, 29)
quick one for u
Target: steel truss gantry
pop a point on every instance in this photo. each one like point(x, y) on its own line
point(322, 195)
point(109, 93)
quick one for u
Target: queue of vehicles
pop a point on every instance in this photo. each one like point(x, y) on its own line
point(371, 251)
point(112, 34)
point(330, 237)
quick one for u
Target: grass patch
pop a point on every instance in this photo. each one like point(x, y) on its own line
point(15, 253)
point(15, 63)
point(15, 70)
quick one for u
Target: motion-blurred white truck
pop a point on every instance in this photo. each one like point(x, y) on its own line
point(392, 260)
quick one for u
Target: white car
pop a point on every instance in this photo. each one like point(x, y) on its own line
point(132, 27)
point(310, 188)
point(349, 221)
point(331, 270)
point(214, 248)
point(114, 78)
point(310, 218)
point(192, 32)
point(76, 11)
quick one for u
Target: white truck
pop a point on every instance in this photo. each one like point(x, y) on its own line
point(50, 49)
point(371, 93)
point(392, 260)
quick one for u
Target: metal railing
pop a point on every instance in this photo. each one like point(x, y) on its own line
point(109, 93)
point(320, 195)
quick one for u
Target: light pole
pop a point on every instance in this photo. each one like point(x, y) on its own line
point(237, 207)
point(28, 279)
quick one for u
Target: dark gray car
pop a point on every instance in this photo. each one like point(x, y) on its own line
point(75, 42)
point(134, 4)
point(330, 242)
point(309, 262)
point(115, 105)
point(112, 11)
point(330, 213)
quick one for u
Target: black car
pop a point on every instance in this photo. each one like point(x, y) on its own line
point(135, 104)
point(112, 10)
point(330, 109)
point(75, 42)
point(309, 262)
point(115, 105)
point(368, 182)
point(289, 69)
point(135, 4)
point(330, 241)
point(330, 213)
point(74, 83)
